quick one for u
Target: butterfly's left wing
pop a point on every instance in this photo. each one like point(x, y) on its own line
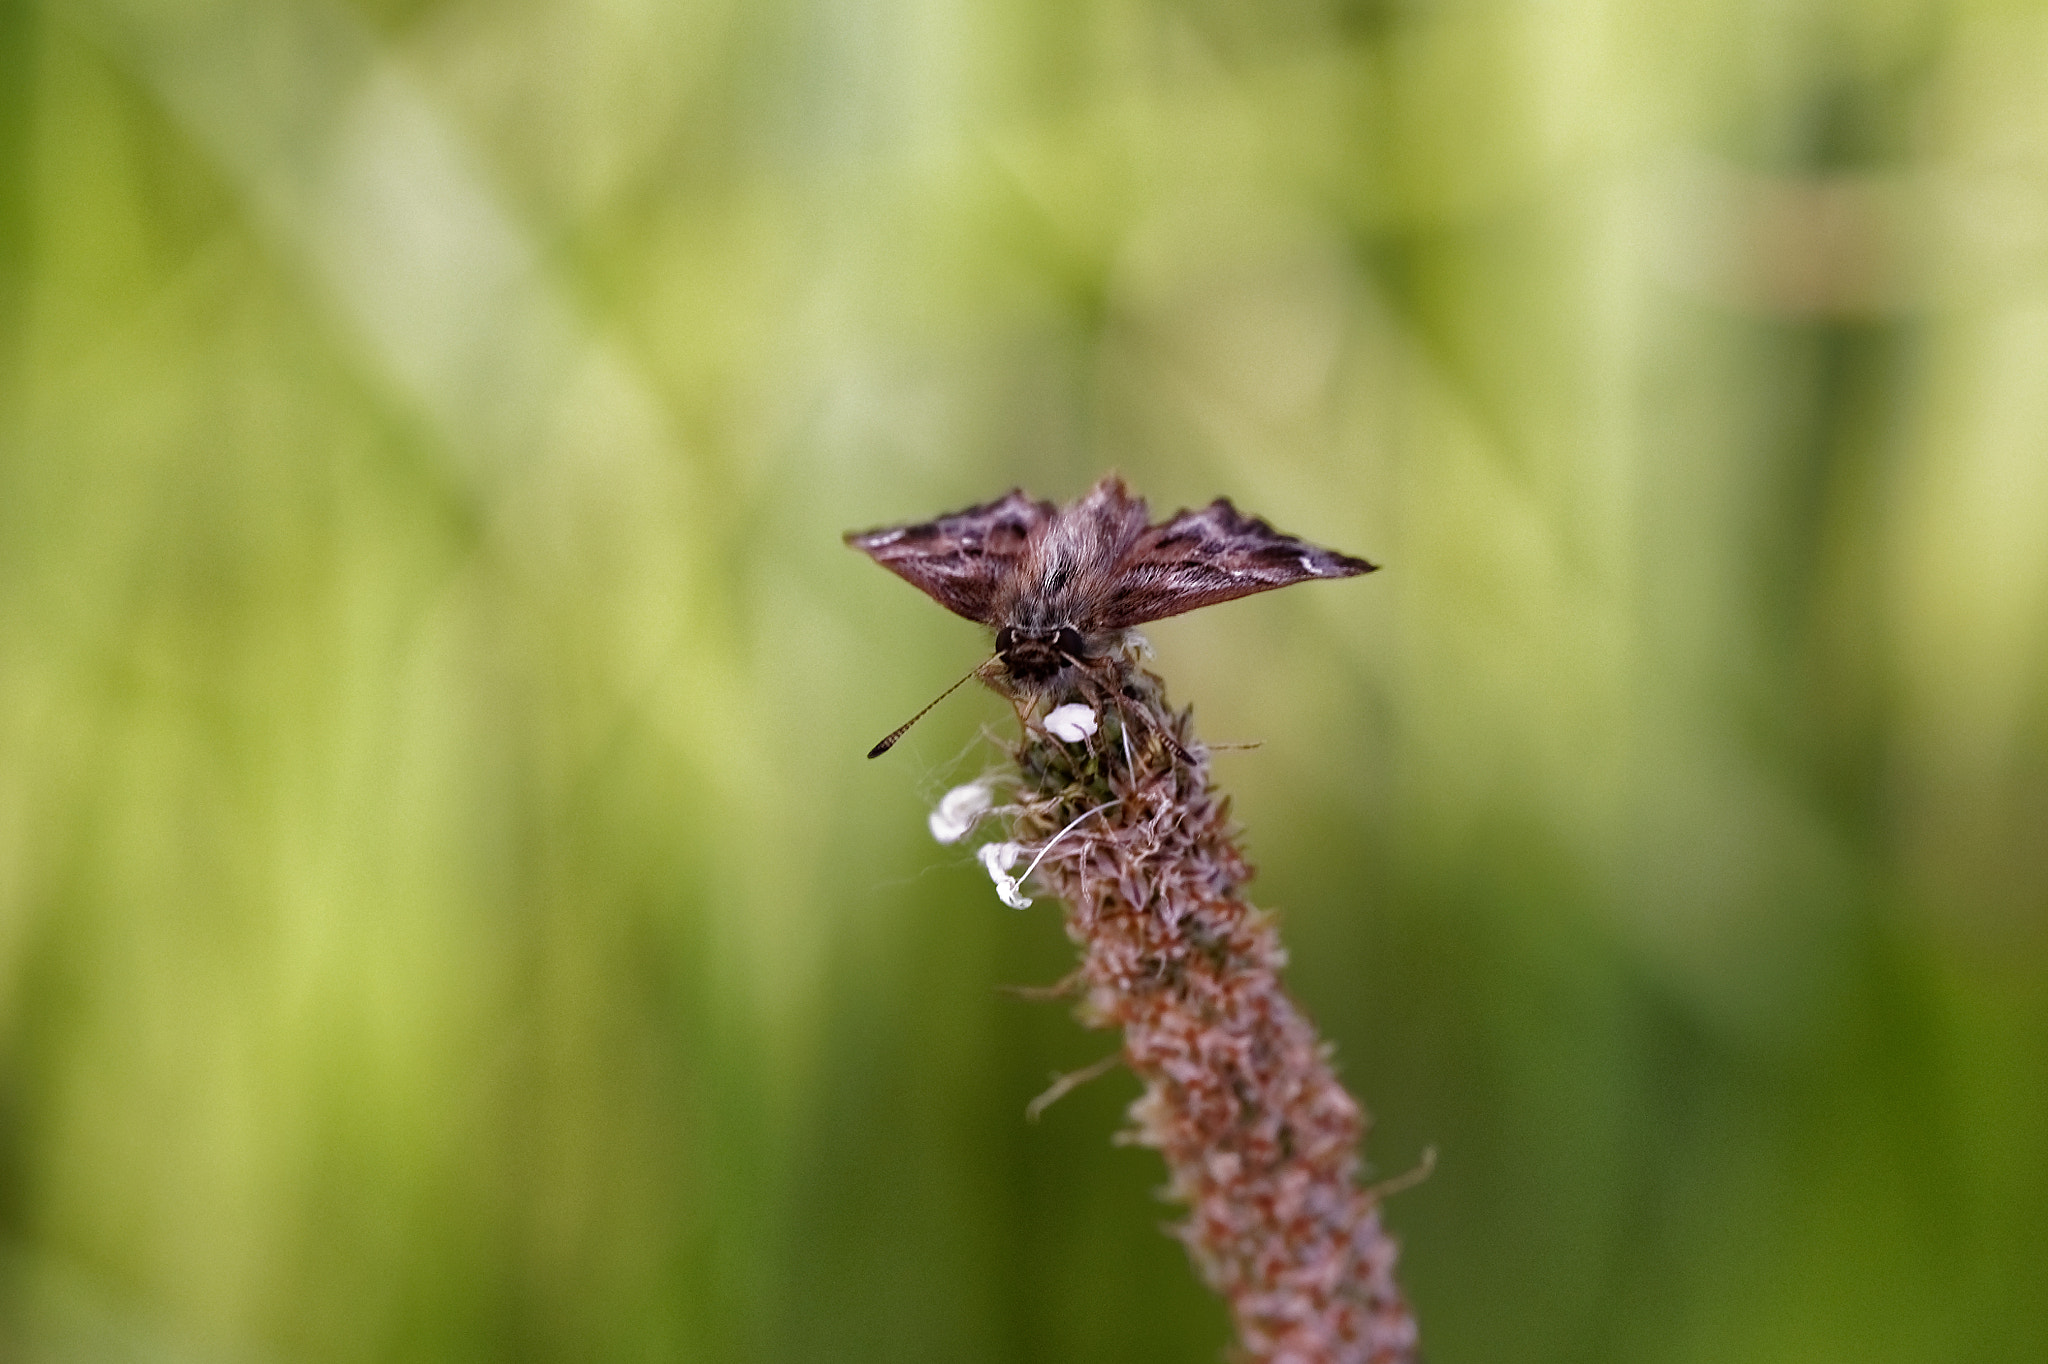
point(1215, 554)
point(960, 560)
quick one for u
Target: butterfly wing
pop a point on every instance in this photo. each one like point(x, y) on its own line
point(1199, 558)
point(960, 560)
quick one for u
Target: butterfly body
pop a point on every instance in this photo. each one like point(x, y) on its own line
point(1060, 585)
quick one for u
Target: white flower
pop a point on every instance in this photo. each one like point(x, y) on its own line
point(1000, 857)
point(997, 859)
point(960, 809)
point(1072, 722)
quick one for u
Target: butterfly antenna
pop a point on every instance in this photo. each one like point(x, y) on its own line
point(1115, 691)
point(889, 739)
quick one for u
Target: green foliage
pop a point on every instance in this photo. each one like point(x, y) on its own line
point(444, 910)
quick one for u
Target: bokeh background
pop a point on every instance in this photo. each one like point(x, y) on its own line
point(445, 913)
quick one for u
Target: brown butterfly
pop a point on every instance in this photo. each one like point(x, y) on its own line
point(1059, 584)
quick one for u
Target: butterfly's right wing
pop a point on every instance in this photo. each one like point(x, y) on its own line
point(962, 559)
point(1215, 554)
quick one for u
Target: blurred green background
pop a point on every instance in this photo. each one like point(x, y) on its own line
point(445, 913)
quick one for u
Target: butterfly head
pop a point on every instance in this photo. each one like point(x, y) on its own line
point(1034, 657)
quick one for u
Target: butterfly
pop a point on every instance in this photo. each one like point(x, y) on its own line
point(1059, 585)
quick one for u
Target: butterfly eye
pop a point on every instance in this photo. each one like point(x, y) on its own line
point(1005, 637)
point(1068, 642)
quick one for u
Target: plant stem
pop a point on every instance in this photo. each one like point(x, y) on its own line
point(1260, 1140)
